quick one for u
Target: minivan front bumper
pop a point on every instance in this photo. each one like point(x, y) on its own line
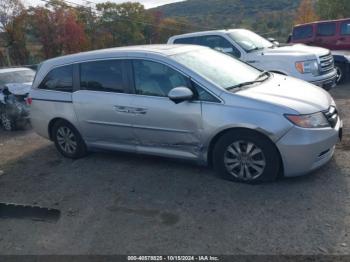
point(304, 150)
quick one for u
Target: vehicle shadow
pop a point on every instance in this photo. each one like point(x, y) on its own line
point(341, 91)
point(123, 203)
point(4, 135)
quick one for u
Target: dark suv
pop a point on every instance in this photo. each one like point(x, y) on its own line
point(334, 35)
point(331, 34)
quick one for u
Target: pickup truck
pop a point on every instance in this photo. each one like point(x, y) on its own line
point(331, 34)
point(312, 64)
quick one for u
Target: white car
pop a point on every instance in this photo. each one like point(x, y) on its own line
point(312, 64)
point(15, 85)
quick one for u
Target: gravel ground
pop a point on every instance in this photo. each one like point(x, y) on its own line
point(113, 203)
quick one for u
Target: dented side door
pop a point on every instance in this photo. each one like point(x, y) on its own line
point(168, 129)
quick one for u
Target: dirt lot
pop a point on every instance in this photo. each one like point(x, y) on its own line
point(115, 203)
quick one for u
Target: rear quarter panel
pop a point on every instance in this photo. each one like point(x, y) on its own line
point(48, 105)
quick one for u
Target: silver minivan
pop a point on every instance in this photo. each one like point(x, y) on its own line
point(187, 102)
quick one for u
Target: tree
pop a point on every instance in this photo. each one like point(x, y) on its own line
point(12, 23)
point(73, 37)
point(124, 23)
point(9, 9)
point(57, 28)
point(306, 12)
point(334, 9)
point(151, 30)
point(16, 39)
point(169, 27)
point(2, 59)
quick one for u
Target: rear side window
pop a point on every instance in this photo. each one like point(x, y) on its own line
point(302, 32)
point(345, 28)
point(59, 79)
point(220, 44)
point(326, 29)
point(104, 76)
point(188, 41)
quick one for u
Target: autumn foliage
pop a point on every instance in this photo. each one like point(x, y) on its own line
point(60, 29)
point(57, 30)
point(31, 34)
point(306, 12)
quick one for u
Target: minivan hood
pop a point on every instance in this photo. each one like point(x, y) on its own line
point(298, 95)
point(296, 50)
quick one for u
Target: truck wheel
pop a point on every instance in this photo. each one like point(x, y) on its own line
point(68, 141)
point(7, 122)
point(246, 156)
point(340, 73)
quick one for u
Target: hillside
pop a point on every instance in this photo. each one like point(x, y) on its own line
point(273, 17)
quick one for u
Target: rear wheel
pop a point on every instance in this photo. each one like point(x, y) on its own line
point(7, 122)
point(68, 141)
point(246, 156)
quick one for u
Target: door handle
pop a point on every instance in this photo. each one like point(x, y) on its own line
point(139, 111)
point(122, 109)
point(130, 110)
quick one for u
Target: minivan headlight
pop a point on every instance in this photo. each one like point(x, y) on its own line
point(306, 67)
point(316, 120)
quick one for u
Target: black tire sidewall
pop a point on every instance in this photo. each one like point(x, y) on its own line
point(81, 147)
point(270, 152)
point(343, 71)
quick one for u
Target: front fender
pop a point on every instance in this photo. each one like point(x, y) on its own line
point(271, 124)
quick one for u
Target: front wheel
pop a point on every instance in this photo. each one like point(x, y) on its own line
point(68, 140)
point(246, 156)
point(340, 73)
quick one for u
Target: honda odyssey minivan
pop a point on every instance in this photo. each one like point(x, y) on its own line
point(186, 102)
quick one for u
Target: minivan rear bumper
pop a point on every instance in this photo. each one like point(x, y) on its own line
point(304, 150)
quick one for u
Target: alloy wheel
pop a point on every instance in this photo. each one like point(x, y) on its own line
point(244, 160)
point(66, 140)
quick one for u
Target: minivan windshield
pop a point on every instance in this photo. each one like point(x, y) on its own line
point(249, 41)
point(221, 69)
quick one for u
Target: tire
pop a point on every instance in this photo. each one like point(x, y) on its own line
point(341, 73)
point(7, 122)
point(68, 141)
point(232, 162)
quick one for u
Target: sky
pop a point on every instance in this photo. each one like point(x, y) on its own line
point(146, 3)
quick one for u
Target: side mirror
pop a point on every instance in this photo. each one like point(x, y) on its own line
point(180, 94)
point(274, 41)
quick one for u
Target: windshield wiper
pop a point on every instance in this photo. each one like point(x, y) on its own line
point(254, 49)
point(264, 73)
point(244, 84)
point(257, 80)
